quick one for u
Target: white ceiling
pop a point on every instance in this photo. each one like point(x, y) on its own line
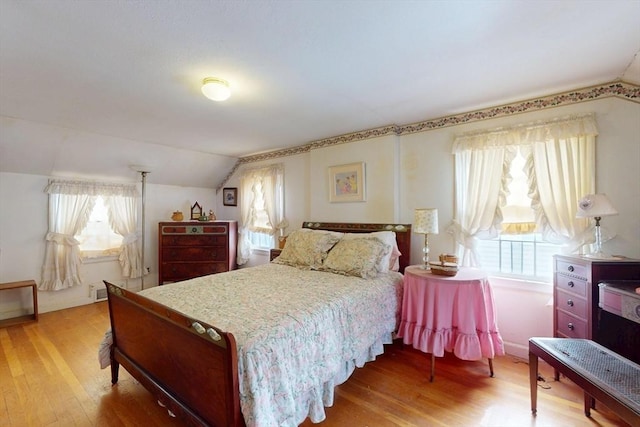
point(126, 74)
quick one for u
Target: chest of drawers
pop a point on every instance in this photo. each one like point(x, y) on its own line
point(575, 293)
point(193, 249)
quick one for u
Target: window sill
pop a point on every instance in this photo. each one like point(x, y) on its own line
point(98, 259)
point(260, 251)
point(522, 284)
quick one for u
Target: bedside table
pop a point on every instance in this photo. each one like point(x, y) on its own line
point(274, 253)
point(454, 314)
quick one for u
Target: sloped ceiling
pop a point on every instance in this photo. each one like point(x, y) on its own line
point(88, 88)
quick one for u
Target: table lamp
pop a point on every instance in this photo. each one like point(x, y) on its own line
point(425, 221)
point(596, 206)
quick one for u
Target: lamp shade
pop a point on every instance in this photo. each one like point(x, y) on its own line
point(425, 221)
point(595, 205)
point(216, 89)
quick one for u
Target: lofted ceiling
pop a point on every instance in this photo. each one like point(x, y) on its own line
point(91, 87)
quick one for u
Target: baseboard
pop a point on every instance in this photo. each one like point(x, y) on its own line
point(516, 350)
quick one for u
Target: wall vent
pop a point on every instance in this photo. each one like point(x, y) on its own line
point(100, 295)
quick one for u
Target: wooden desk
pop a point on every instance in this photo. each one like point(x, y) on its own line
point(454, 314)
point(27, 317)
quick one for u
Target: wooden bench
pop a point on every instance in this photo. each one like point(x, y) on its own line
point(27, 317)
point(601, 373)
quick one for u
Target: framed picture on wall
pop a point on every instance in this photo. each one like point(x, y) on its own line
point(347, 183)
point(230, 196)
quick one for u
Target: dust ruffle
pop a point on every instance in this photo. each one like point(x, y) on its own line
point(465, 346)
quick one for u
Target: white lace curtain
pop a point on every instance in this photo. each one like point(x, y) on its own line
point(123, 217)
point(560, 168)
point(271, 180)
point(70, 206)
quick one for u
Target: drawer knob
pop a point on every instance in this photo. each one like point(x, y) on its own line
point(570, 326)
point(571, 284)
point(570, 268)
point(570, 303)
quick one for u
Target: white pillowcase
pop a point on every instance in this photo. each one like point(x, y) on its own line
point(389, 261)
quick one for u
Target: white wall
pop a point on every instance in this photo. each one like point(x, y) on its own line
point(23, 225)
point(403, 173)
point(379, 156)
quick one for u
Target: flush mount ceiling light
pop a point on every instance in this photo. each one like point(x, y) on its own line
point(216, 89)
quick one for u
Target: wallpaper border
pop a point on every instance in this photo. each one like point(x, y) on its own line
point(619, 89)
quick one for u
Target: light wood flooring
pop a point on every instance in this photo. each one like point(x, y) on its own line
point(49, 376)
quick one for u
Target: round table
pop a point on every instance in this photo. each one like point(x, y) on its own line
point(450, 313)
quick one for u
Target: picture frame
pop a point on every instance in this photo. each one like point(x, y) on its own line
point(230, 196)
point(347, 183)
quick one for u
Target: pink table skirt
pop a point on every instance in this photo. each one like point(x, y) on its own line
point(454, 314)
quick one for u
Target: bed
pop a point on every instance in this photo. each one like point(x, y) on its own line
point(197, 347)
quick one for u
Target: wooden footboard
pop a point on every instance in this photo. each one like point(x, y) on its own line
point(189, 366)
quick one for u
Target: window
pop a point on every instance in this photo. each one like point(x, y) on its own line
point(517, 192)
point(262, 209)
point(262, 237)
point(519, 250)
point(73, 216)
point(98, 238)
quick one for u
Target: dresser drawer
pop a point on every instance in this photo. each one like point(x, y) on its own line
point(194, 240)
point(572, 304)
point(572, 269)
point(571, 327)
point(198, 253)
point(174, 272)
point(572, 285)
point(192, 229)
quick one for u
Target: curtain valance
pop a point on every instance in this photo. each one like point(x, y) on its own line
point(91, 188)
point(528, 134)
point(260, 172)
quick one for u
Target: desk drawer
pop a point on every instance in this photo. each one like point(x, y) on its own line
point(570, 326)
point(572, 304)
point(571, 285)
point(571, 268)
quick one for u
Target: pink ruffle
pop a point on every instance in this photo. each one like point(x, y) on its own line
point(464, 346)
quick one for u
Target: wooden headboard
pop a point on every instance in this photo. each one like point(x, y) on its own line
point(403, 234)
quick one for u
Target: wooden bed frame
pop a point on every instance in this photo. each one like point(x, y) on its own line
point(199, 386)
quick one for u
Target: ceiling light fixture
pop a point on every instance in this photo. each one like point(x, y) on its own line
point(216, 89)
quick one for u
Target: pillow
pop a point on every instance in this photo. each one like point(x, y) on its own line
point(307, 248)
point(390, 260)
point(356, 257)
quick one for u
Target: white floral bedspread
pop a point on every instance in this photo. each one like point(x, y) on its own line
point(299, 333)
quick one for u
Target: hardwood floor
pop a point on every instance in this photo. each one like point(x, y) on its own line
point(49, 376)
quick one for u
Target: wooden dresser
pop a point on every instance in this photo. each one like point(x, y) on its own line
point(193, 249)
point(576, 293)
